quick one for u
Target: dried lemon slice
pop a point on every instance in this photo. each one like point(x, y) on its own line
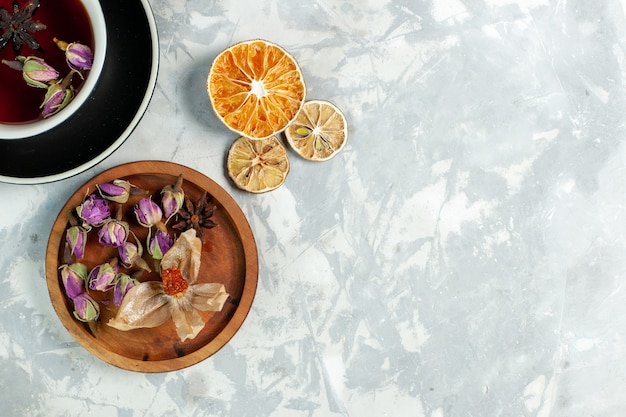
point(256, 88)
point(257, 165)
point(318, 132)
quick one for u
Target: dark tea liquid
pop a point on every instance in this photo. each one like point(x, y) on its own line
point(66, 20)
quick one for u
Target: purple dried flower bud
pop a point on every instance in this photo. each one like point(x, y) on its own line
point(79, 57)
point(117, 190)
point(74, 279)
point(76, 238)
point(94, 211)
point(86, 308)
point(102, 277)
point(148, 212)
point(113, 233)
point(129, 253)
point(37, 73)
point(160, 243)
point(123, 283)
point(172, 198)
point(56, 98)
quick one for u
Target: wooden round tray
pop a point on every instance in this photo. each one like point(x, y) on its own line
point(229, 256)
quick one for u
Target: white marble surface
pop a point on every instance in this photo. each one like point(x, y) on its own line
point(462, 256)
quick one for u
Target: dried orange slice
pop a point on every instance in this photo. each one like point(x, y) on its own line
point(318, 132)
point(257, 165)
point(256, 88)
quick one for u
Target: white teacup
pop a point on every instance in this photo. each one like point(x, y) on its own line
point(29, 129)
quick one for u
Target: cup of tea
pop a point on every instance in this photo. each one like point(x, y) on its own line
point(52, 53)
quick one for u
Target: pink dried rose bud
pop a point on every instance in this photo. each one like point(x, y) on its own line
point(172, 197)
point(102, 277)
point(160, 243)
point(79, 57)
point(148, 212)
point(86, 308)
point(74, 279)
point(113, 233)
point(76, 238)
point(36, 72)
point(56, 99)
point(94, 211)
point(123, 283)
point(130, 255)
point(116, 190)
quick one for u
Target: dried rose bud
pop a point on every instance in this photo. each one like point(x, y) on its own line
point(117, 190)
point(129, 253)
point(56, 98)
point(74, 279)
point(76, 238)
point(123, 283)
point(113, 233)
point(79, 57)
point(36, 72)
point(93, 211)
point(148, 212)
point(86, 308)
point(102, 277)
point(160, 243)
point(172, 198)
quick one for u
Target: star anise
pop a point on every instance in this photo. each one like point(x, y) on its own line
point(16, 27)
point(197, 217)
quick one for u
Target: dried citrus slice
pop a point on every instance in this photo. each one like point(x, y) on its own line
point(257, 165)
point(318, 132)
point(256, 88)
